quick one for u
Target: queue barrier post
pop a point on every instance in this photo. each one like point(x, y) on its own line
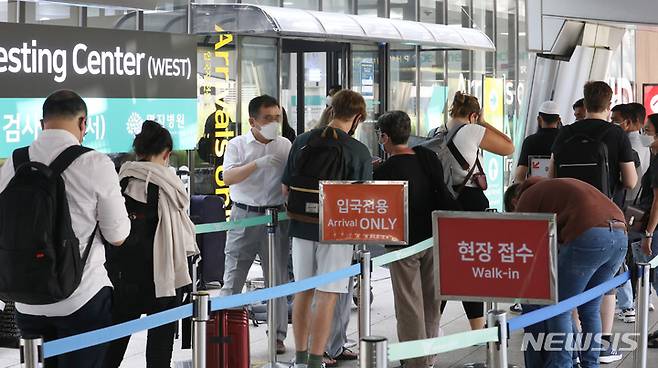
point(642, 324)
point(364, 293)
point(200, 318)
point(373, 352)
point(272, 224)
point(497, 350)
point(31, 350)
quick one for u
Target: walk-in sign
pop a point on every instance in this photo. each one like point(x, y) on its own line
point(371, 212)
point(500, 257)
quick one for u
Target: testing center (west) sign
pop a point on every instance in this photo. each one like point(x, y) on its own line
point(125, 77)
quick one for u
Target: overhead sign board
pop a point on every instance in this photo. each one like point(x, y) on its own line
point(500, 257)
point(125, 77)
point(372, 212)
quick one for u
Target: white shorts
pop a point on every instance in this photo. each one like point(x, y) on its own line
point(311, 258)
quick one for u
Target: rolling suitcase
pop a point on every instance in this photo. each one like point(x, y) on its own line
point(227, 339)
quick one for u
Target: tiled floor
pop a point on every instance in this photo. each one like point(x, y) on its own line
point(383, 324)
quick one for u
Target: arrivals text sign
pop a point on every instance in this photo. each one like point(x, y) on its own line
point(364, 212)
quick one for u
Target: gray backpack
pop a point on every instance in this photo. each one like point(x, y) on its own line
point(440, 140)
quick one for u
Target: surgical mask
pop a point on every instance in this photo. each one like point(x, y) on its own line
point(646, 140)
point(270, 131)
point(328, 101)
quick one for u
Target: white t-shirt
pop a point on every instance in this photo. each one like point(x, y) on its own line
point(94, 195)
point(467, 141)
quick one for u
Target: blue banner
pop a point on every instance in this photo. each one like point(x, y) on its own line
point(111, 125)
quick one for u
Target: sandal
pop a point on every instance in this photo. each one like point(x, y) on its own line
point(347, 354)
point(329, 361)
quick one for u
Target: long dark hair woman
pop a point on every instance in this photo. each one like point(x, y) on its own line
point(150, 269)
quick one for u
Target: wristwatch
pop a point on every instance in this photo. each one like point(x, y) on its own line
point(648, 234)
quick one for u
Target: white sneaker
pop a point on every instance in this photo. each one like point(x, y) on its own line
point(651, 307)
point(627, 315)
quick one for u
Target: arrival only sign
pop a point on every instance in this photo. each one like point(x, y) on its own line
point(371, 212)
point(484, 256)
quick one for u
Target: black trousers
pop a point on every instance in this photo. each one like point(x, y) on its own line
point(97, 313)
point(472, 199)
point(159, 341)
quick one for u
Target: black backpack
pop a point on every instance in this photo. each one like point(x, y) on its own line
point(585, 158)
point(320, 159)
point(130, 266)
point(40, 261)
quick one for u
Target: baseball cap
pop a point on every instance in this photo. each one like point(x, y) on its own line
point(549, 108)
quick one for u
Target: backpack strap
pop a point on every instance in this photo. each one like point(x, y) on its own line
point(453, 148)
point(20, 156)
point(67, 157)
point(152, 191)
point(87, 250)
point(152, 194)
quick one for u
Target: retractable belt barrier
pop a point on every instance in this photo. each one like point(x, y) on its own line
point(404, 350)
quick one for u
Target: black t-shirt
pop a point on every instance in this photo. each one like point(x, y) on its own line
point(427, 191)
point(649, 183)
point(538, 144)
point(619, 146)
point(359, 166)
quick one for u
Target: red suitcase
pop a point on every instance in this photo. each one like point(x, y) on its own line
point(227, 338)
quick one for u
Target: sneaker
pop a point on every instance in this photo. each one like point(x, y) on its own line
point(516, 308)
point(610, 356)
point(628, 315)
point(651, 307)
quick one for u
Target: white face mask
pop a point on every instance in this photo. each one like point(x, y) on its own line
point(270, 131)
point(646, 140)
point(328, 101)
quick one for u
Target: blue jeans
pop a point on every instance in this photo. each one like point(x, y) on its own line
point(589, 260)
point(625, 296)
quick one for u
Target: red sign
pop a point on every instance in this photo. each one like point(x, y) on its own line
point(650, 98)
point(496, 257)
point(364, 212)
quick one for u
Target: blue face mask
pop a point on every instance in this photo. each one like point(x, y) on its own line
point(381, 146)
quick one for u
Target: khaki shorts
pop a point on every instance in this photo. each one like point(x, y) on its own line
point(311, 258)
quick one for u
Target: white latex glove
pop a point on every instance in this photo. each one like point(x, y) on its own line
point(267, 161)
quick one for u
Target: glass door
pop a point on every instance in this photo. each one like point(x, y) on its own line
point(309, 70)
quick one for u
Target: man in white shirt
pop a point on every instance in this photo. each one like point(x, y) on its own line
point(253, 167)
point(94, 197)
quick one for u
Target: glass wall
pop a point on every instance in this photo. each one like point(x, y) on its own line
point(52, 13)
point(7, 11)
point(337, 6)
point(373, 8)
point(621, 72)
point(366, 76)
point(302, 4)
point(258, 71)
point(402, 82)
